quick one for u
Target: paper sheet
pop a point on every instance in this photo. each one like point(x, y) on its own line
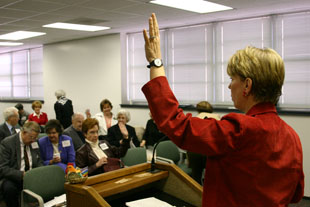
point(56, 200)
point(148, 202)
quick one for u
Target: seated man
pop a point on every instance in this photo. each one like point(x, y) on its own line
point(11, 118)
point(75, 131)
point(23, 115)
point(18, 154)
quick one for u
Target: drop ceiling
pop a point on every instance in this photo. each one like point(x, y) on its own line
point(121, 15)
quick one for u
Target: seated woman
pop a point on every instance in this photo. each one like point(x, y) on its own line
point(93, 154)
point(55, 148)
point(121, 130)
point(151, 135)
point(198, 161)
point(105, 118)
point(38, 116)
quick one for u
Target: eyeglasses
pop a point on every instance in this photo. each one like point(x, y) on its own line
point(32, 135)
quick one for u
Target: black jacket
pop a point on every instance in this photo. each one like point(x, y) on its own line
point(115, 135)
point(64, 111)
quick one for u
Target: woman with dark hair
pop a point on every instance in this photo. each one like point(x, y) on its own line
point(55, 148)
point(105, 118)
point(151, 135)
point(197, 161)
point(94, 154)
point(205, 110)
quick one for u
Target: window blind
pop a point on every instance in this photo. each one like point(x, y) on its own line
point(196, 57)
point(21, 75)
point(292, 34)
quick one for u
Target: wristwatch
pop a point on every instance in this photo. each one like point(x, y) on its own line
point(156, 62)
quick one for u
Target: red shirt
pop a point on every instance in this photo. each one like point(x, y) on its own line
point(41, 120)
point(254, 160)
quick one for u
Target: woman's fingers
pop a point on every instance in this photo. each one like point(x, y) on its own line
point(151, 28)
point(152, 41)
point(146, 38)
point(155, 25)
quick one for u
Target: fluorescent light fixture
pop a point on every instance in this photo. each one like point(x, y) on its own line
point(19, 35)
point(81, 27)
point(11, 43)
point(198, 6)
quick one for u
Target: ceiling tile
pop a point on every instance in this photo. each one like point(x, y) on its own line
point(4, 3)
point(67, 2)
point(30, 23)
point(50, 18)
point(77, 11)
point(108, 4)
point(10, 27)
point(4, 20)
point(117, 16)
point(37, 6)
point(13, 13)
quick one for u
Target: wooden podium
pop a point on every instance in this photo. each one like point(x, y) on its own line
point(102, 190)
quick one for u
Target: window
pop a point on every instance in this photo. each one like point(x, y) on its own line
point(292, 35)
point(21, 76)
point(196, 57)
point(232, 36)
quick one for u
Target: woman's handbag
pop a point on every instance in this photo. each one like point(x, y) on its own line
point(113, 164)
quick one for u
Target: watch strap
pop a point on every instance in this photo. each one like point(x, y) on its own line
point(153, 64)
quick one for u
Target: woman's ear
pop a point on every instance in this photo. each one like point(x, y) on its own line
point(248, 85)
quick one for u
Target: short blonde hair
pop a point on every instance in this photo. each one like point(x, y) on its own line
point(35, 104)
point(264, 67)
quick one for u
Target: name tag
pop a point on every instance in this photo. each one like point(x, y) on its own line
point(34, 145)
point(66, 143)
point(104, 146)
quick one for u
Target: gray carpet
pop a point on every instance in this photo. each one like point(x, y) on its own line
point(305, 202)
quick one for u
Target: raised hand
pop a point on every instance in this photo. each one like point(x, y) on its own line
point(123, 129)
point(152, 42)
point(152, 46)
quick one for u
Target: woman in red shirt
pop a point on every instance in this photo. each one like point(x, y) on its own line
point(254, 159)
point(38, 116)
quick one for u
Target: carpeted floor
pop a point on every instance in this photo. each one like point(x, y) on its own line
point(305, 202)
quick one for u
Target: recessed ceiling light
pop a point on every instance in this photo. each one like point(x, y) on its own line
point(11, 43)
point(198, 6)
point(81, 27)
point(19, 35)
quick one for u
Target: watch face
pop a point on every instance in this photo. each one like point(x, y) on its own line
point(157, 62)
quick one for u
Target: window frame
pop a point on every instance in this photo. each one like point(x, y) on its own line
point(299, 108)
point(28, 98)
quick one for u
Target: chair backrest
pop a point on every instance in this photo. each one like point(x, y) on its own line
point(47, 181)
point(42, 135)
point(134, 156)
point(139, 132)
point(169, 150)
